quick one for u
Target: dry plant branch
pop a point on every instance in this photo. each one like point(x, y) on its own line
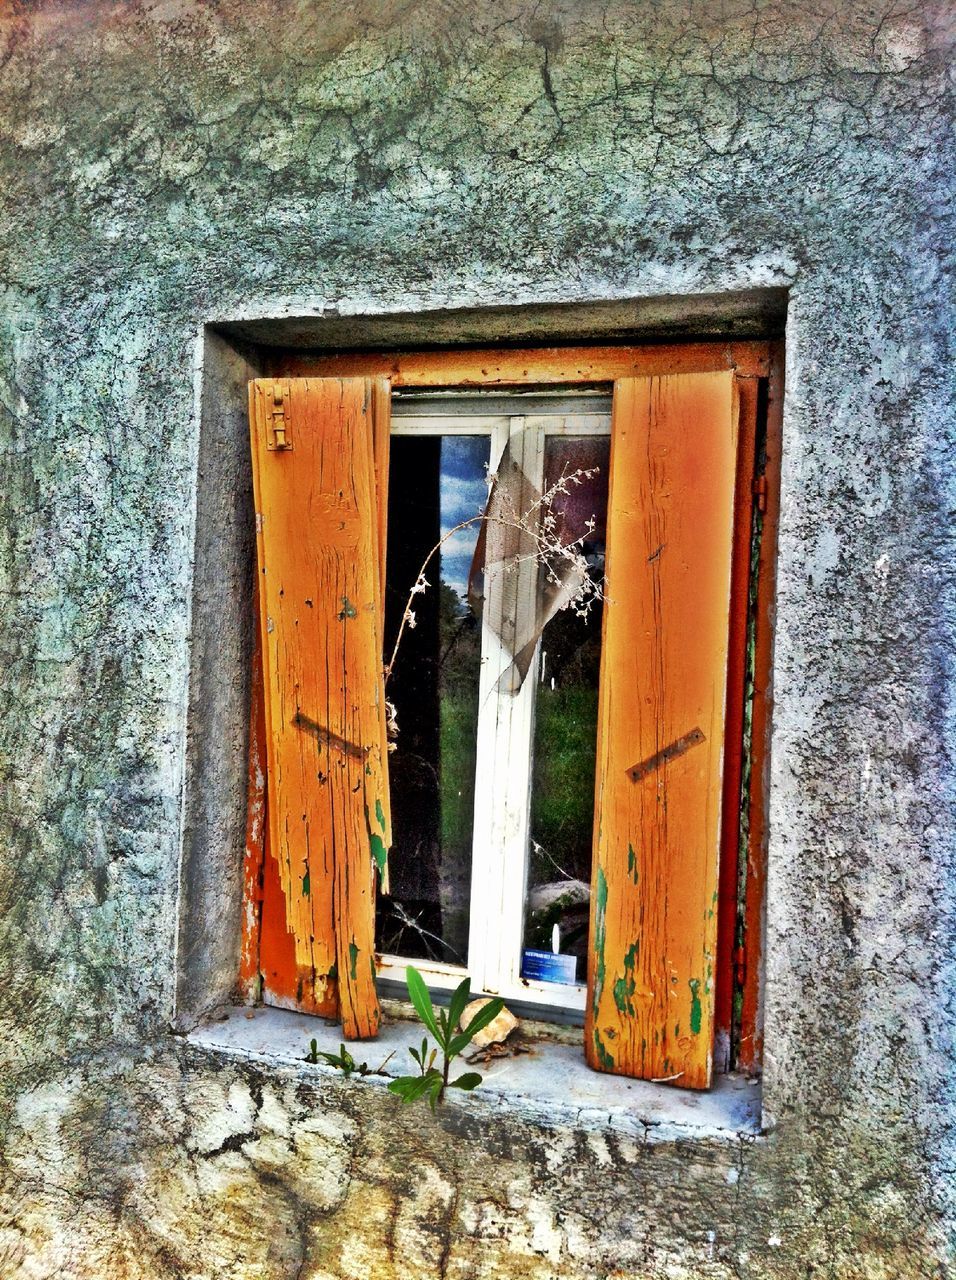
point(540, 525)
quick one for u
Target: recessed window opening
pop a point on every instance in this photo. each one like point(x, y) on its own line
point(572, 808)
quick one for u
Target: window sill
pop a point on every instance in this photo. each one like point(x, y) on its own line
point(551, 1085)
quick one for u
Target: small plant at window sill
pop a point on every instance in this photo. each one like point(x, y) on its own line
point(342, 1061)
point(431, 1082)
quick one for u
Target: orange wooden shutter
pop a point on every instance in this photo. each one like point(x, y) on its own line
point(320, 535)
point(661, 727)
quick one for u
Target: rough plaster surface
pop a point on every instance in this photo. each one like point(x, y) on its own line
point(172, 162)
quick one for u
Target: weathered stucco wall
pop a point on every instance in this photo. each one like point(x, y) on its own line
point(166, 164)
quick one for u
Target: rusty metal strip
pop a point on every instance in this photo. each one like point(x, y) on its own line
point(676, 748)
point(330, 739)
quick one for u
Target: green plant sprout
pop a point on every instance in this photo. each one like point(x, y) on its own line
point(431, 1082)
point(342, 1060)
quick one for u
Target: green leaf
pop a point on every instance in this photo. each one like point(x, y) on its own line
point(470, 1080)
point(486, 1014)
point(409, 1088)
point(457, 1004)
point(435, 1089)
point(418, 994)
point(404, 1086)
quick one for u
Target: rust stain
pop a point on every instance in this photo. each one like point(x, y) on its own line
point(676, 748)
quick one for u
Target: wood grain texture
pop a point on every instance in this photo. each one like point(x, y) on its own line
point(663, 674)
point(504, 366)
point(250, 944)
point(319, 554)
point(267, 964)
point(747, 389)
point(381, 427)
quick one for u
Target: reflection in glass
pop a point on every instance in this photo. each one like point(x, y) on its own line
point(435, 483)
point(565, 732)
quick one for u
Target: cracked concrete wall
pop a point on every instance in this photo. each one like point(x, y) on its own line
point(166, 163)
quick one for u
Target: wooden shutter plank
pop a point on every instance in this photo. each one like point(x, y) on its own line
point(734, 724)
point(255, 852)
point(380, 815)
point(521, 366)
point(661, 727)
point(319, 559)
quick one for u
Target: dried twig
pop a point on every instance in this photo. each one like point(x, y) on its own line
point(540, 524)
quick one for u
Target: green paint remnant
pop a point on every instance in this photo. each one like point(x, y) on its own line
point(348, 609)
point(379, 852)
point(695, 1009)
point(306, 885)
point(353, 960)
point(378, 846)
point(605, 1059)
point(625, 986)
point(632, 863)
point(622, 996)
point(333, 971)
point(600, 938)
point(676, 1029)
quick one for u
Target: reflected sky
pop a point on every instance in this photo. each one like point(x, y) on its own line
point(463, 494)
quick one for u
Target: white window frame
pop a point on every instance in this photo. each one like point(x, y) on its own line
point(505, 732)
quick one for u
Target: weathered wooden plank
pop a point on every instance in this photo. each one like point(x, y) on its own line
point(319, 559)
point(249, 951)
point(663, 675)
point(380, 823)
point(747, 389)
point(504, 366)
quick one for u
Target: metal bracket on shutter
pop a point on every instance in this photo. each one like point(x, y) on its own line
point(279, 435)
point(676, 748)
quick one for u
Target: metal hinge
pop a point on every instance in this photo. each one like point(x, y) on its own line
point(760, 492)
point(280, 430)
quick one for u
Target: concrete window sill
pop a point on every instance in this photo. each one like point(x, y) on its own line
point(551, 1085)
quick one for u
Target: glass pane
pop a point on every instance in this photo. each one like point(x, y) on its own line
point(565, 734)
point(435, 482)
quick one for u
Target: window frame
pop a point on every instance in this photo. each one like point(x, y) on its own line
point(758, 363)
point(505, 722)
